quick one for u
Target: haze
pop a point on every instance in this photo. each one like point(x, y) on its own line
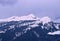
point(39, 8)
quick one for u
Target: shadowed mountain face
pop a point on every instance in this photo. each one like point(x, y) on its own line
point(28, 31)
point(29, 28)
point(8, 2)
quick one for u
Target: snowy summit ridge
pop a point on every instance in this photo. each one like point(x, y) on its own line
point(28, 17)
point(45, 19)
point(17, 18)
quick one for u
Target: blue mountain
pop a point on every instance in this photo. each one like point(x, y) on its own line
point(29, 28)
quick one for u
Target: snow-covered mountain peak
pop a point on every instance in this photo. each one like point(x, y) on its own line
point(45, 20)
point(13, 17)
point(17, 18)
point(28, 17)
point(31, 15)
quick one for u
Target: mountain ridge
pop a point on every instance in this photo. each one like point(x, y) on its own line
point(29, 29)
point(28, 17)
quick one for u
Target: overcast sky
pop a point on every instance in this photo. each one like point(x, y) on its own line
point(39, 8)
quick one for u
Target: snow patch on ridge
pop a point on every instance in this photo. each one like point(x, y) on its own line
point(54, 33)
point(45, 20)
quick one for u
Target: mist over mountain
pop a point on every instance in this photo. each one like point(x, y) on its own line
point(40, 8)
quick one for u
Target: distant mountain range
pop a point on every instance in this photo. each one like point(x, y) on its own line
point(29, 28)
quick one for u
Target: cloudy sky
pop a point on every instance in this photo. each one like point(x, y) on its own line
point(39, 8)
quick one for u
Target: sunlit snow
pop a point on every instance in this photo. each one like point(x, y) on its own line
point(45, 20)
point(54, 33)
